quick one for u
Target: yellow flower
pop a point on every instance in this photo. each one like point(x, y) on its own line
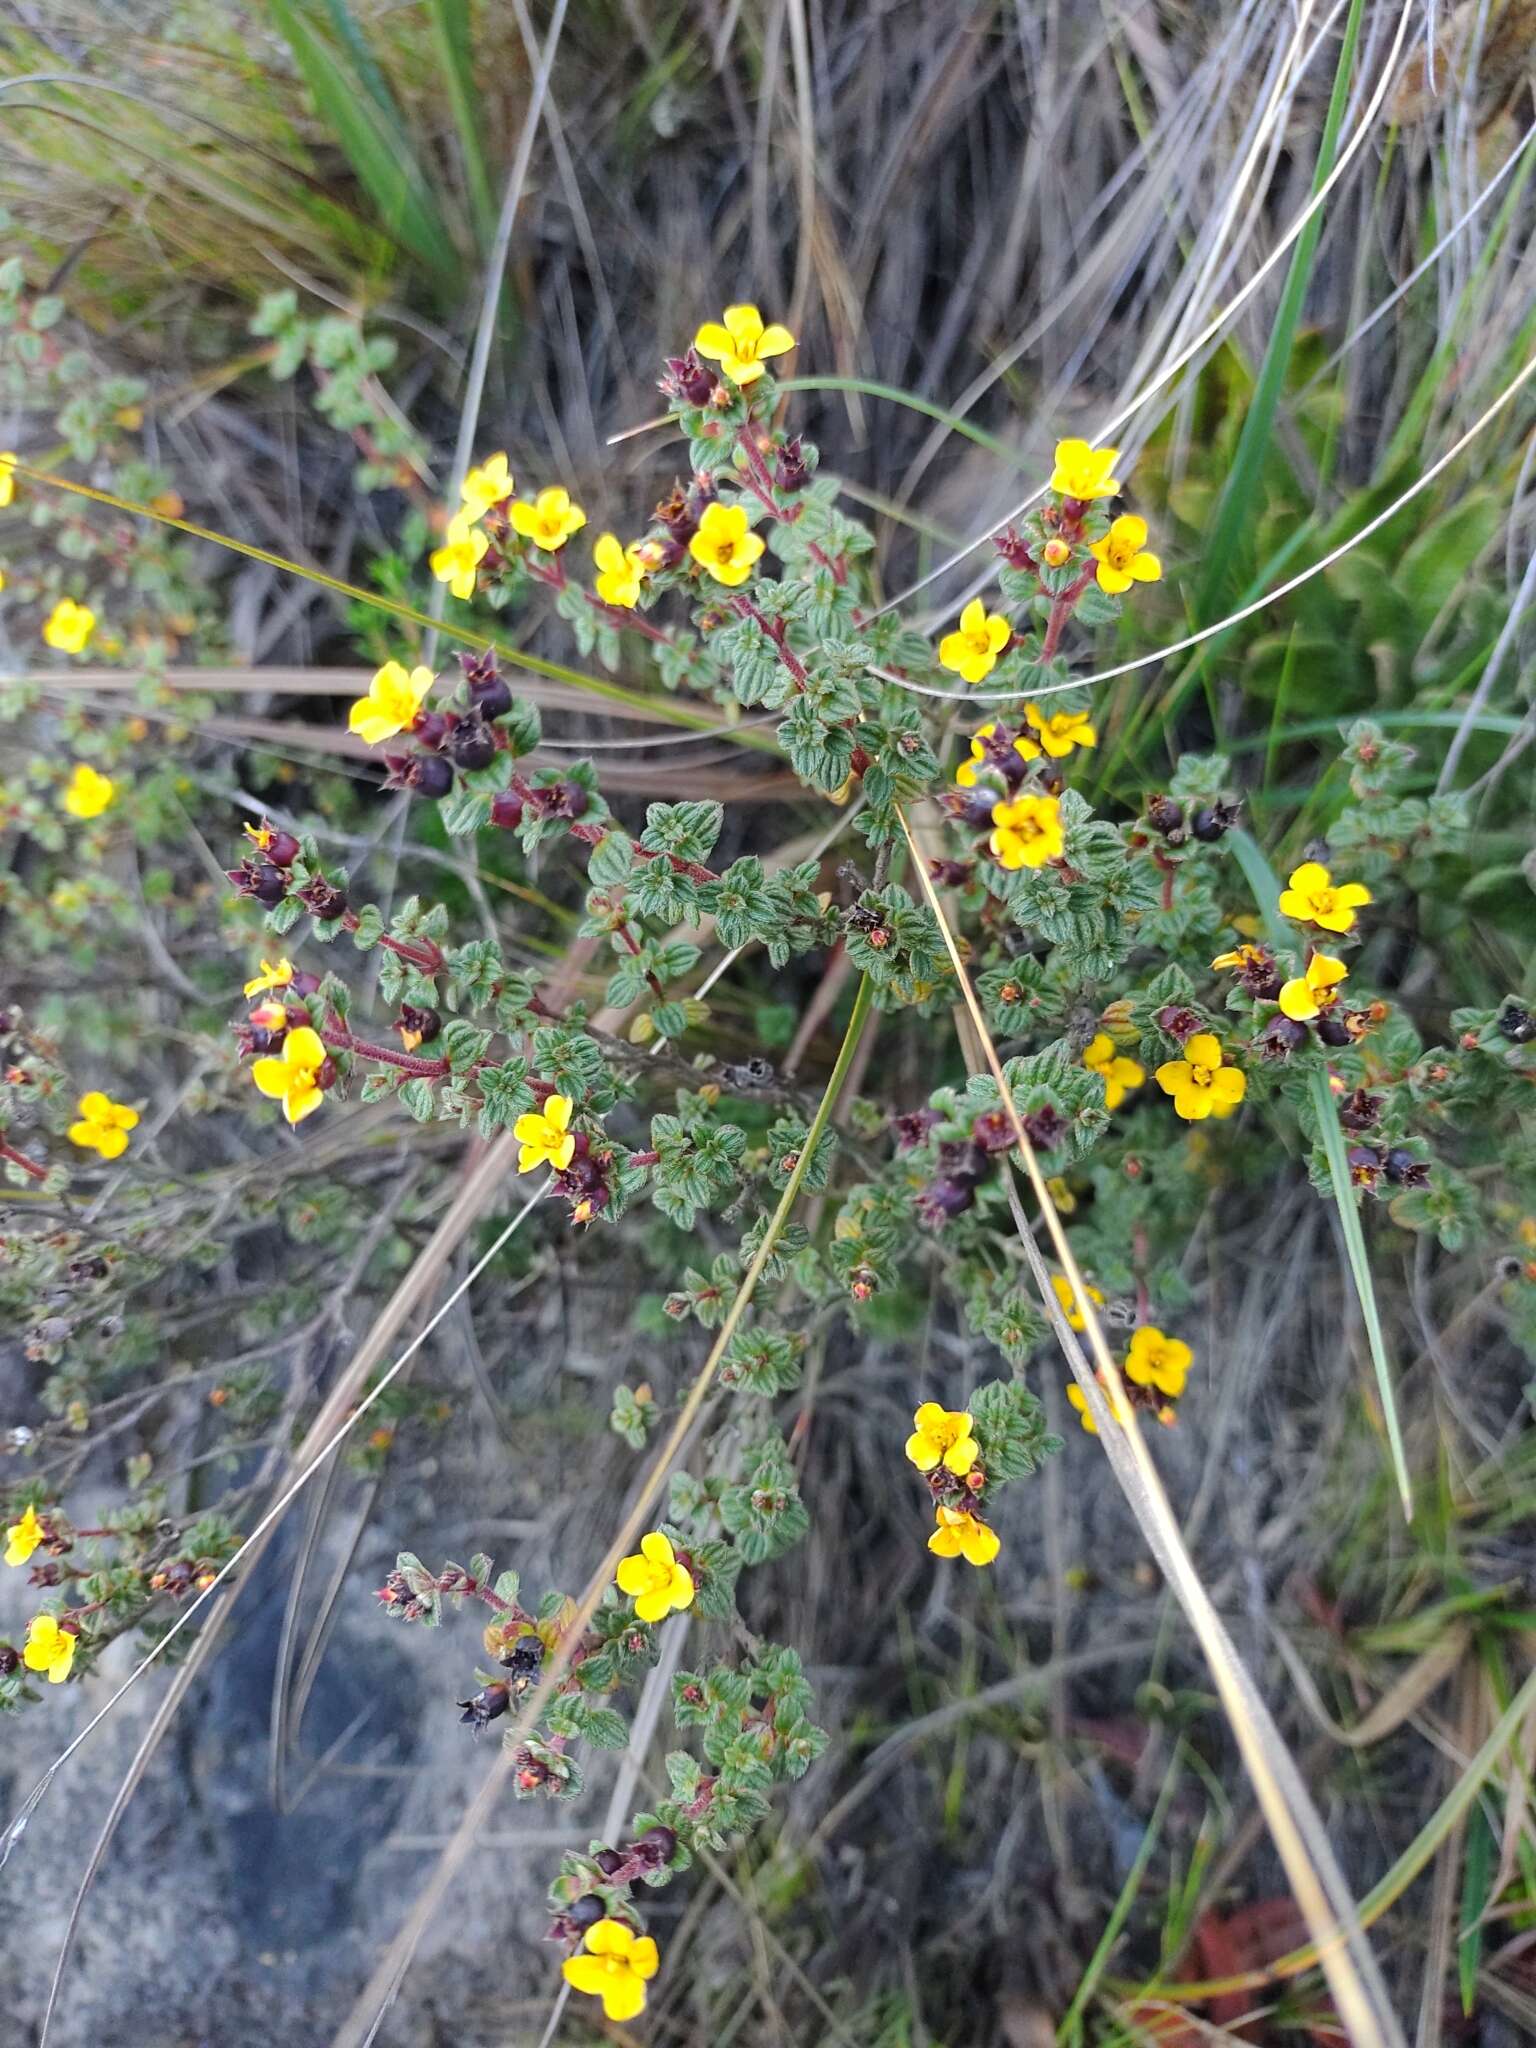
point(1199, 1084)
point(1240, 957)
point(965, 774)
point(724, 545)
point(1315, 898)
point(971, 651)
point(69, 626)
point(270, 977)
point(1309, 994)
point(7, 476)
point(654, 1579)
point(88, 793)
point(1062, 731)
point(1028, 833)
point(1061, 1195)
point(1123, 558)
point(393, 701)
point(616, 1968)
point(741, 343)
point(104, 1125)
point(49, 1648)
point(1154, 1360)
point(1085, 473)
point(621, 570)
point(456, 561)
point(942, 1434)
point(290, 1078)
point(550, 520)
point(1079, 1401)
point(489, 484)
point(23, 1537)
point(1068, 1300)
point(1120, 1074)
point(544, 1136)
point(959, 1534)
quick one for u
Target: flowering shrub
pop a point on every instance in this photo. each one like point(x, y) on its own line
point(1162, 1027)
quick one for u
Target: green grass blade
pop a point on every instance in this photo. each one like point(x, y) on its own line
point(910, 399)
point(455, 52)
point(373, 142)
point(1266, 890)
point(1239, 497)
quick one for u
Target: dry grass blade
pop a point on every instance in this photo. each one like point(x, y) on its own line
point(358, 2029)
point(1294, 1824)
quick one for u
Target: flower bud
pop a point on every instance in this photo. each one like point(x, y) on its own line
point(1360, 1111)
point(791, 473)
point(1403, 1170)
point(323, 900)
point(1216, 821)
point(1178, 1021)
point(1516, 1024)
point(1167, 818)
point(1012, 549)
point(417, 1025)
point(1334, 1031)
point(479, 666)
point(10, 1660)
point(586, 1912)
point(687, 379)
point(487, 1704)
point(431, 729)
point(1056, 552)
point(1280, 1037)
point(657, 1846)
point(507, 810)
point(472, 744)
point(491, 698)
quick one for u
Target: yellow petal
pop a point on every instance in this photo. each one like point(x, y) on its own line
point(775, 340)
point(632, 1576)
point(271, 1077)
point(714, 341)
point(303, 1048)
point(657, 1548)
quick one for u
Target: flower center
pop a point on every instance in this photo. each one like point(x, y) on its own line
point(1322, 902)
point(1121, 553)
point(1202, 1076)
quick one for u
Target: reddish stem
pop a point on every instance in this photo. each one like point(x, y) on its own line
point(1062, 610)
point(778, 634)
point(20, 1159)
point(428, 955)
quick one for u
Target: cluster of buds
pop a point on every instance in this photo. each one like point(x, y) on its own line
point(584, 1183)
point(263, 875)
point(679, 514)
point(1210, 822)
point(561, 799)
point(964, 1164)
point(1369, 1165)
point(618, 1870)
point(400, 1602)
point(181, 1575)
point(448, 740)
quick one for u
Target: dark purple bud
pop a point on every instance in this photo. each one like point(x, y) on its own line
point(1213, 823)
point(430, 775)
point(322, 900)
point(487, 1704)
point(1516, 1024)
point(472, 743)
point(431, 729)
point(1280, 1038)
point(507, 810)
point(1359, 1111)
point(791, 473)
point(687, 379)
point(1012, 549)
point(993, 1132)
point(1045, 1127)
point(1178, 1022)
point(1334, 1031)
point(1167, 818)
point(1364, 1165)
point(586, 1912)
point(479, 667)
point(912, 1127)
point(941, 1200)
point(1403, 1170)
